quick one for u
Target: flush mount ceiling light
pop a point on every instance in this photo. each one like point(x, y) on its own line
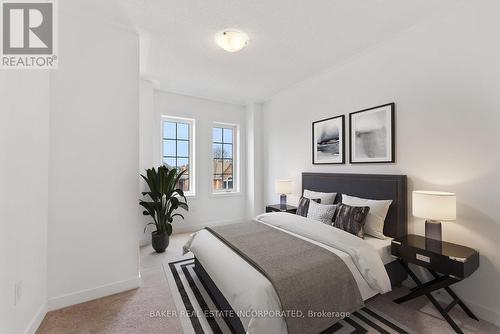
point(231, 40)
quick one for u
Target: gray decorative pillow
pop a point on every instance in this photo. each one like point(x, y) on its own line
point(351, 218)
point(375, 219)
point(304, 206)
point(321, 212)
point(326, 198)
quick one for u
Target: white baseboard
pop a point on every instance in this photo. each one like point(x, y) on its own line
point(197, 227)
point(37, 320)
point(94, 293)
point(484, 313)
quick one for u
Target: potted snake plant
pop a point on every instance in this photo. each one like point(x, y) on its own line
point(164, 199)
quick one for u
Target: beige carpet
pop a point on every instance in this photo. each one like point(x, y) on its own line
point(130, 312)
point(421, 316)
point(126, 312)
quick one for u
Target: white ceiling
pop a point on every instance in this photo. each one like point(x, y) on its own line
point(291, 40)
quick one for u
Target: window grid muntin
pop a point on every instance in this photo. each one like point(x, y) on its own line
point(222, 158)
point(186, 175)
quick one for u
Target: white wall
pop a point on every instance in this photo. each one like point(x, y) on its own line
point(94, 162)
point(444, 76)
point(148, 157)
point(24, 140)
point(205, 207)
point(254, 166)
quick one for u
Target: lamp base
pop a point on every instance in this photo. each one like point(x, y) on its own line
point(283, 202)
point(433, 230)
point(433, 236)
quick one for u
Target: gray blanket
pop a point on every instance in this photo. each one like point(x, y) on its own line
point(314, 285)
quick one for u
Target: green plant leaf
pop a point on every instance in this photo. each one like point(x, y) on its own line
point(145, 227)
point(168, 229)
point(150, 208)
point(181, 194)
point(174, 201)
point(165, 197)
point(184, 206)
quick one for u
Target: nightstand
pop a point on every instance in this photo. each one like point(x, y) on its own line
point(453, 263)
point(277, 208)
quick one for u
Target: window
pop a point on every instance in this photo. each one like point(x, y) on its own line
point(224, 145)
point(177, 149)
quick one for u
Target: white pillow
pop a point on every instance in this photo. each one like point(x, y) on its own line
point(374, 224)
point(326, 198)
point(321, 212)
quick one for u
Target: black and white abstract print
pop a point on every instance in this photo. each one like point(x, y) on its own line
point(372, 135)
point(328, 141)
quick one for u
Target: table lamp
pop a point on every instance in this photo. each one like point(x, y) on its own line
point(283, 187)
point(434, 206)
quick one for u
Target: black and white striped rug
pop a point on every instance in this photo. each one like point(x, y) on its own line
point(198, 313)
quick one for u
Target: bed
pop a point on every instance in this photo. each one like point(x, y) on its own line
point(236, 286)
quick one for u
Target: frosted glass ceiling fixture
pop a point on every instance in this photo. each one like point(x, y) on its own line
point(231, 40)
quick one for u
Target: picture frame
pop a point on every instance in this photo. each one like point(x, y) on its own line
point(372, 135)
point(328, 141)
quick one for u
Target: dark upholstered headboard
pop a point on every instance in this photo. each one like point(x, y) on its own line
point(372, 186)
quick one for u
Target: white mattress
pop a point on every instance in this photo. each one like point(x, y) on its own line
point(383, 248)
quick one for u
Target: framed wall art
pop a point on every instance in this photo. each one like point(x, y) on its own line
point(372, 137)
point(328, 137)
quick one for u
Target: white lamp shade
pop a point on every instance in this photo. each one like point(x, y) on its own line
point(435, 205)
point(284, 186)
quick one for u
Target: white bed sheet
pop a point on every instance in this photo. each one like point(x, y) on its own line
point(247, 290)
point(383, 248)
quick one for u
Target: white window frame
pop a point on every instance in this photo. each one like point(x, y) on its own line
point(192, 155)
point(236, 159)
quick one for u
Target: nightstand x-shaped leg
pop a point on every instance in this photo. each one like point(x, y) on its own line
point(456, 300)
point(439, 282)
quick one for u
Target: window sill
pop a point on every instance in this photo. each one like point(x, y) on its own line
point(227, 194)
point(190, 195)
